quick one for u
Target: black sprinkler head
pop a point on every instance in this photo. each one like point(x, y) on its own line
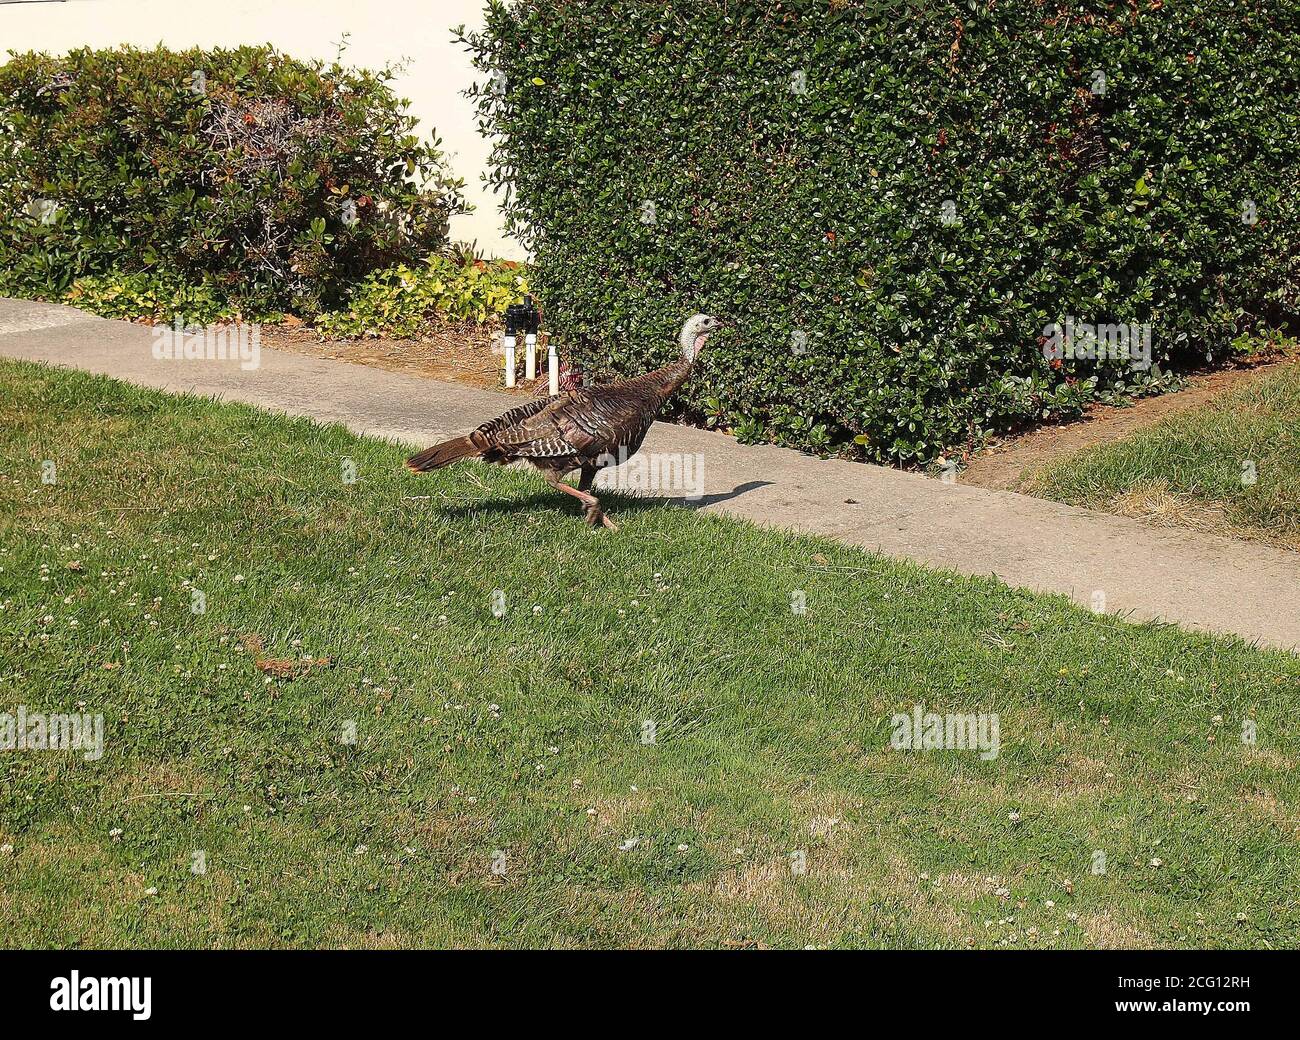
point(532, 317)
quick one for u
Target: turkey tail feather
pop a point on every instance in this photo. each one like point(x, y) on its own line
point(443, 454)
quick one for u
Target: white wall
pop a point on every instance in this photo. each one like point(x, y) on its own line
point(381, 31)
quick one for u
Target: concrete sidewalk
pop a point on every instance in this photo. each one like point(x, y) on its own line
point(1200, 581)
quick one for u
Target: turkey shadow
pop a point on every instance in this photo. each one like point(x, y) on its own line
point(556, 501)
point(722, 496)
point(612, 502)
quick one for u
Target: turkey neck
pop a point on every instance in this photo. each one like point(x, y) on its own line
point(660, 384)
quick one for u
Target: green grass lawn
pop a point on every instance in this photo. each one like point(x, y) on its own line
point(1232, 466)
point(526, 736)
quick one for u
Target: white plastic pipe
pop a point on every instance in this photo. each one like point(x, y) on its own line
point(510, 361)
point(553, 368)
point(530, 356)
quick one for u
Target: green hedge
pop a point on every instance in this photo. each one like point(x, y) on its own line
point(787, 163)
point(275, 182)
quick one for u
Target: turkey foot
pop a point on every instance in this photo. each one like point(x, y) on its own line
point(596, 516)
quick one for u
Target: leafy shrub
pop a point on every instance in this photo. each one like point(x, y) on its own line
point(156, 296)
point(273, 181)
point(405, 301)
point(790, 164)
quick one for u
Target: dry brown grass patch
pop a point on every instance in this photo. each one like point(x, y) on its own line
point(1152, 501)
point(1105, 932)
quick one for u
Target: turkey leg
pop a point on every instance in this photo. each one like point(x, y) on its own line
point(594, 514)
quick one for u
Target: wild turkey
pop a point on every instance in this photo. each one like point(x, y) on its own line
point(585, 429)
